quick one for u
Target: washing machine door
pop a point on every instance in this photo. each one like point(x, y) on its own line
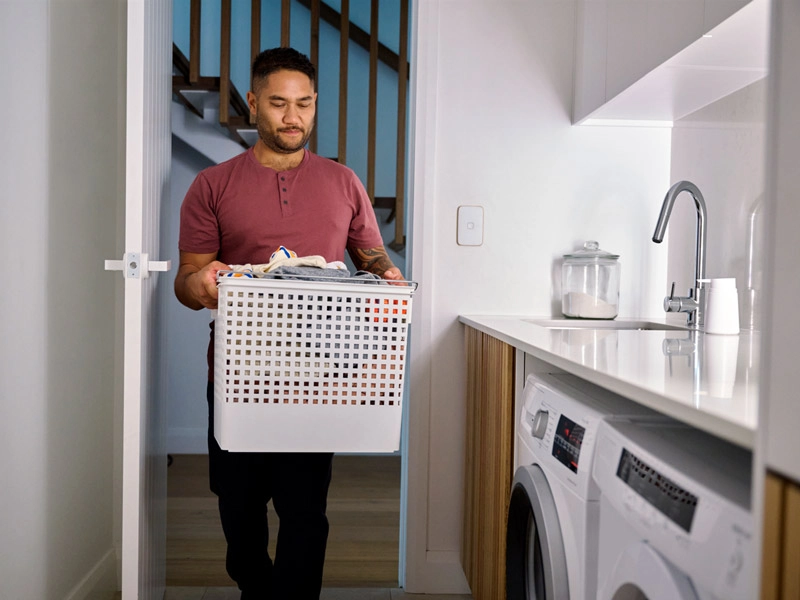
point(641, 573)
point(536, 567)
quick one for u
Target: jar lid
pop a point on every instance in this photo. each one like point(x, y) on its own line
point(591, 250)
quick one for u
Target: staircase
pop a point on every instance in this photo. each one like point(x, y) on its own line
point(217, 99)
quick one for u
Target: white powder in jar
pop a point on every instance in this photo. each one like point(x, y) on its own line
point(586, 306)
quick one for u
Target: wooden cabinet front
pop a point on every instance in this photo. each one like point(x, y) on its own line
point(489, 462)
point(780, 555)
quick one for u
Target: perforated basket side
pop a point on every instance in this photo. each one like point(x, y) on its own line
point(314, 346)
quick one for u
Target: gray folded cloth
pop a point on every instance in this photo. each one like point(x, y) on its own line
point(319, 274)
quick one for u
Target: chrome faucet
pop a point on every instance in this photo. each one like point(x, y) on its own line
point(693, 304)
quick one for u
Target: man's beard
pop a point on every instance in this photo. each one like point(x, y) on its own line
point(275, 143)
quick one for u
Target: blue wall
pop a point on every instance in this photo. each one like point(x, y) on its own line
point(328, 72)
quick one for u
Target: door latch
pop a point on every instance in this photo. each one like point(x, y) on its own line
point(136, 265)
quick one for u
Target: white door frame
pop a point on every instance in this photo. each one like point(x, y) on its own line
point(148, 157)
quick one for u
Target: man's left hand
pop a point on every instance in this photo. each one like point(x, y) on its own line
point(392, 274)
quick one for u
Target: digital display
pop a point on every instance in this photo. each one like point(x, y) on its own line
point(665, 495)
point(567, 443)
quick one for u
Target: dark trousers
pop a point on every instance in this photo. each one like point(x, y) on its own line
point(297, 484)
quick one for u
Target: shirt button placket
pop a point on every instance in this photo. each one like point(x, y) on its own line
point(284, 194)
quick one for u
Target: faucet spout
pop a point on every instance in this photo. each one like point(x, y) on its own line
point(700, 240)
point(692, 304)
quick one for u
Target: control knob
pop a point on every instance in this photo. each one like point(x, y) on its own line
point(539, 425)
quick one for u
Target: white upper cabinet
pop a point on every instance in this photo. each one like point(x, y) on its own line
point(660, 60)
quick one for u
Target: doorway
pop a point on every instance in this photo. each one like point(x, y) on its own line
point(365, 497)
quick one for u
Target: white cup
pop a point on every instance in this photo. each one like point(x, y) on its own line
point(722, 307)
point(720, 355)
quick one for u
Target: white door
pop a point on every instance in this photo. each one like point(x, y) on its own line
point(148, 155)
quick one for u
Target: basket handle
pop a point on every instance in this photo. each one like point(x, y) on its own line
point(396, 282)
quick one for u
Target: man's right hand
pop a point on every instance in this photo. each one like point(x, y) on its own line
point(196, 280)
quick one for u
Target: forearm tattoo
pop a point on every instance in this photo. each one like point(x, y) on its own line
point(374, 260)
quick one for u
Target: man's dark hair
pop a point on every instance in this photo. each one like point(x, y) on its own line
point(277, 59)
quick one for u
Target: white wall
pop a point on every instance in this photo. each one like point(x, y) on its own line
point(492, 127)
point(59, 179)
point(721, 149)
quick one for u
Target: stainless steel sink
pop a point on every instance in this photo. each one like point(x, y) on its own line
point(603, 324)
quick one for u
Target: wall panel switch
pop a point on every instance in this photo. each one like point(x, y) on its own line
point(470, 226)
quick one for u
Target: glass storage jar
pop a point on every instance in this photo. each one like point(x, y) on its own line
point(590, 283)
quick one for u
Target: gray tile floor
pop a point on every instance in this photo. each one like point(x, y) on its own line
point(231, 593)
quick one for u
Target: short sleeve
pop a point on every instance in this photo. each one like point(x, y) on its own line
point(364, 231)
point(199, 226)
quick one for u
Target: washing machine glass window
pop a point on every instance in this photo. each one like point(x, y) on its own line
point(536, 566)
point(642, 574)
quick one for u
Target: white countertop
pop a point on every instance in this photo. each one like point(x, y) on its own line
point(708, 381)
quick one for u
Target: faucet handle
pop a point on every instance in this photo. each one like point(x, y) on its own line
point(671, 304)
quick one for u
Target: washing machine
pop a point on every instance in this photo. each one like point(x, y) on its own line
point(552, 526)
point(675, 517)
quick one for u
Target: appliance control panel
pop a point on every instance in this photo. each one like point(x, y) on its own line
point(561, 433)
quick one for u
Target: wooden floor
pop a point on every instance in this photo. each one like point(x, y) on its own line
point(363, 511)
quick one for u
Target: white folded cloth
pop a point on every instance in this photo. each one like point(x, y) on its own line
point(300, 261)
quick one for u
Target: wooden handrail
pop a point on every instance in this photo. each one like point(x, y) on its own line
point(355, 34)
point(180, 62)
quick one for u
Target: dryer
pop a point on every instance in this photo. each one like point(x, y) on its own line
point(675, 517)
point(553, 515)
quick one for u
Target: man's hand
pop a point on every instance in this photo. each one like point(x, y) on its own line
point(392, 274)
point(203, 284)
point(196, 280)
point(375, 260)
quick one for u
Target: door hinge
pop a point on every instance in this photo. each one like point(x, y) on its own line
point(136, 265)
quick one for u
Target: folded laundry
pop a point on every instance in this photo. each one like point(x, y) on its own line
point(370, 277)
point(304, 261)
point(300, 261)
point(282, 252)
point(284, 266)
point(318, 274)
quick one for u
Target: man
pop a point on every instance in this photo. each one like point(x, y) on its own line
point(276, 193)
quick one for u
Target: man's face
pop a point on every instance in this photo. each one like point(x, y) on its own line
point(284, 108)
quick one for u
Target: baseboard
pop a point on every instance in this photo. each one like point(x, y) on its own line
point(441, 573)
point(187, 440)
point(395, 453)
point(100, 583)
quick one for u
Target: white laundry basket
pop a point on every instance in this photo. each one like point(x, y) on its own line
point(309, 366)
